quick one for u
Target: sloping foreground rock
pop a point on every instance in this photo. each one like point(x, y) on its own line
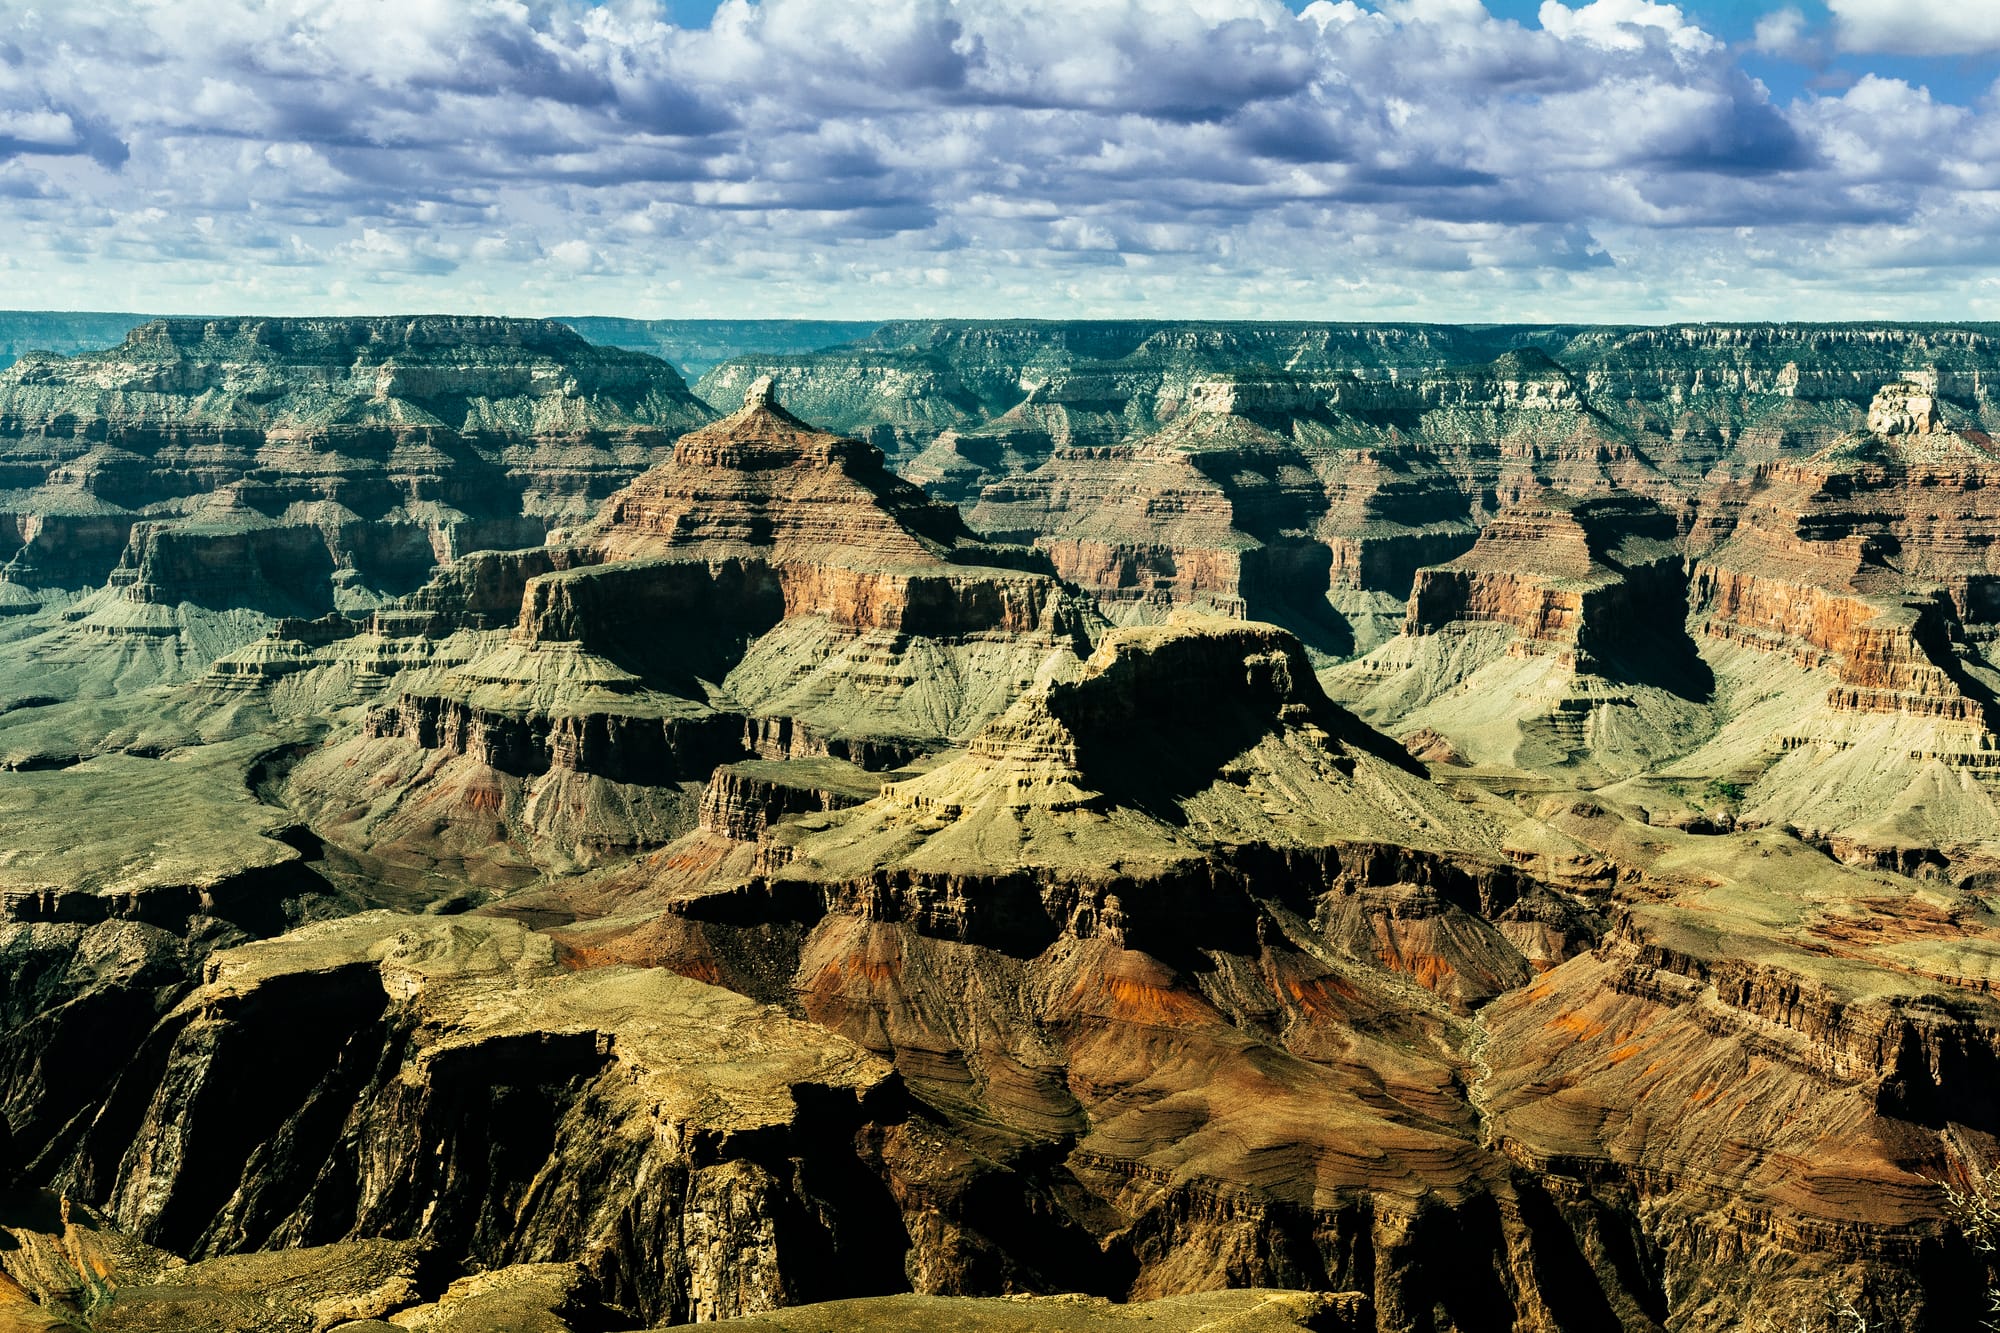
point(1223, 1312)
point(444, 1081)
point(69, 1271)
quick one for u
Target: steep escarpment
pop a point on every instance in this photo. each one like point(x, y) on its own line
point(388, 1077)
point(163, 501)
point(1555, 640)
point(1836, 1019)
point(770, 587)
point(1866, 574)
point(1416, 435)
point(1581, 576)
point(1204, 973)
point(1513, 405)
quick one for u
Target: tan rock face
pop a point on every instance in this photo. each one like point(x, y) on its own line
point(1572, 574)
point(1214, 512)
point(1905, 408)
point(1166, 961)
point(1118, 961)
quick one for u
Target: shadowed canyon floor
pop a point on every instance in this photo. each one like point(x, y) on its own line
point(998, 826)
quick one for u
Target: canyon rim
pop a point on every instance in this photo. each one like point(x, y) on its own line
point(1005, 666)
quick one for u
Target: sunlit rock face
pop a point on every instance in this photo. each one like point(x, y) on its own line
point(1908, 407)
point(1458, 829)
point(392, 444)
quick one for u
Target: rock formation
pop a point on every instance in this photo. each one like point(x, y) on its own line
point(770, 589)
point(1432, 829)
point(1869, 571)
point(443, 435)
point(1555, 640)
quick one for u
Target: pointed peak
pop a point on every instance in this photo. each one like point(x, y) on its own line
point(763, 392)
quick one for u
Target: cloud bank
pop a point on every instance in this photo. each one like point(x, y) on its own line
point(1406, 159)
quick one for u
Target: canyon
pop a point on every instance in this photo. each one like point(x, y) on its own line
point(997, 824)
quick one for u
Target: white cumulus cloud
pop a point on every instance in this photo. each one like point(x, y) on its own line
point(1400, 158)
point(1918, 27)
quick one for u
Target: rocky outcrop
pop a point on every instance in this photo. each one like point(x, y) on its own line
point(1581, 577)
point(1864, 576)
point(1555, 640)
point(613, 737)
point(263, 1112)
point(798, 523)
point(1214, 512)
point(1708, 1041)
point(1872, 558)
point(1639, 405)
point(1187, 943)
point(394, 444)
point(1888, 656)
point(745, 799)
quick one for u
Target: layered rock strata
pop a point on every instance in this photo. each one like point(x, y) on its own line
point(1555, 640)
point(1868, 573)
point(389, 444)
point(1215, 512)
point(770, 590)
point(1579, 577)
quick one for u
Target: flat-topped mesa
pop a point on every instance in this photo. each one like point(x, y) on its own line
point(1166, 713)
point(1571, 574)
point(1056, 745)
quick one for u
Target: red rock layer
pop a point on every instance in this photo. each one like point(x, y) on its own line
point(763, 481)
point(1573, 574)
point(1874, 558)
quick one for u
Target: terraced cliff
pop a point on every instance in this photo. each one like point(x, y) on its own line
point(1340, 827)
point(283, 451)
point(821, 605)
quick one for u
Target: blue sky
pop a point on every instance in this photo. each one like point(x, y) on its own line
point(1620, 160)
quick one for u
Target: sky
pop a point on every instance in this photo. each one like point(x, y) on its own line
point(1519, 160)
